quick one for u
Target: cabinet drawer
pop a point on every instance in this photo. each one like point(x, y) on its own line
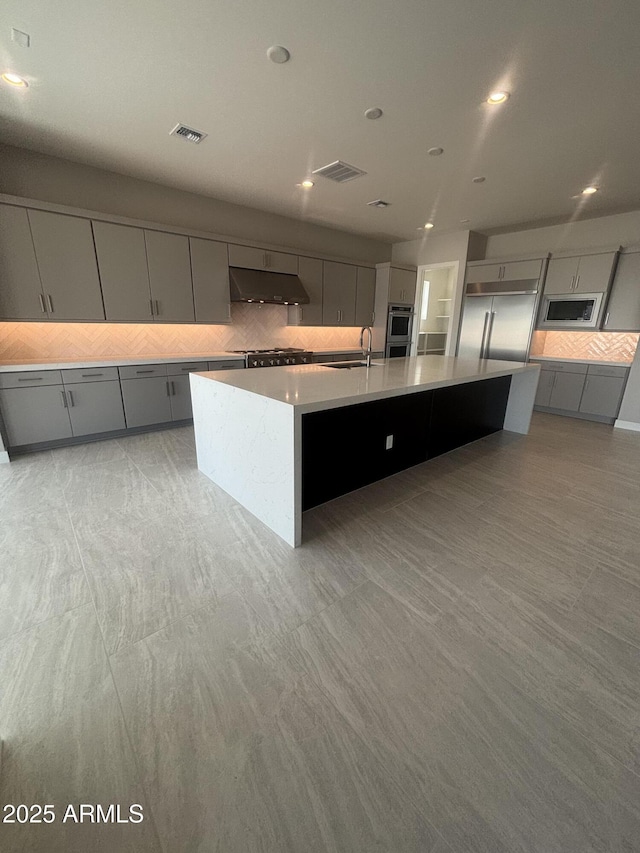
point(141, 371)
point(564, 367)
point(186, 367)
point(89, 374)
point(608, 370)
point(30, 378)
point(233, 364)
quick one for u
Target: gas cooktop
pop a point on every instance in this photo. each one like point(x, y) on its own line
point(278, 357)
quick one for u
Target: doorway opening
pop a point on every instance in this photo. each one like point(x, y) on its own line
point(435, 304)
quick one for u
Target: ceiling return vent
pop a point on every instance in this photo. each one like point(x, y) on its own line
point(339, 172)
point(188, 133)
point(379, 203)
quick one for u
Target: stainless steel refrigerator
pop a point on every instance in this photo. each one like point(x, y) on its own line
point(497, 320)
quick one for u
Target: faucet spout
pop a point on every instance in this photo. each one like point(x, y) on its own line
point(366, 352)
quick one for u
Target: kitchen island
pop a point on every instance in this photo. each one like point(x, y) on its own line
point(283, 439)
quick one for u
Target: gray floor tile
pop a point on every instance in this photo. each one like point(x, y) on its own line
point(261, 761)
point(612, 603)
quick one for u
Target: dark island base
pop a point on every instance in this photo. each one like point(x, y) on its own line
point(346, 448)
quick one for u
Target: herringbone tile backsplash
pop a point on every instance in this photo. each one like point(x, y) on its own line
point(252, 327)
point(590, 346)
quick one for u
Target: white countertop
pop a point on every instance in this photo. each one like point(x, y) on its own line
point(315, 387)
point(605, 362)
point(70, 363)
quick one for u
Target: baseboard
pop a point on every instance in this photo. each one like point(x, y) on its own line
point(581, 416)
point(627, 425)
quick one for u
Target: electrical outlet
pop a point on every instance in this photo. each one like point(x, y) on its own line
point(388, 443)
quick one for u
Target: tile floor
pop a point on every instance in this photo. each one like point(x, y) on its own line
point(450, 663)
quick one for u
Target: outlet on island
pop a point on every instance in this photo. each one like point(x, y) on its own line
point(388, 443)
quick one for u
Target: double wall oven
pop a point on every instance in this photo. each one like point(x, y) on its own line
point(399, 331)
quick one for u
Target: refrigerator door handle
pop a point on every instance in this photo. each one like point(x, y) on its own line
point(487, 348)
point(484, 334)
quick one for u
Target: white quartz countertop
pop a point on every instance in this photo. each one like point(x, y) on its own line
point(535, 358)
point(315, 387)
point(115, 361)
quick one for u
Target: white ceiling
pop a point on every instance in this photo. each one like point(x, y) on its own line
point(110, 78)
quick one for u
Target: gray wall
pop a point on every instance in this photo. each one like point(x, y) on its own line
point(31, 175)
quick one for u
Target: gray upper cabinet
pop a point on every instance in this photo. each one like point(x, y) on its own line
point(510, 271)
point(67, 263)
point(170, 276)
point(210, 273)
point(262, 259)
point(339, 292)
point(365, 296)
point(122, 261)
point(21, 296)
point(310, 272)
point(623, 310)
point(580, 274)
point(402, 286)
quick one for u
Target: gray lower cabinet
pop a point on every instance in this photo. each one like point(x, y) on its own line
point(122, 261)
point(67, 264)
point(95, 407)
point(146, 400)
point(545, 386)
point(603, 391)
point(35, 414)
point(170, 277)
point(592, 390)
point(180, 397)
point(567, 391)
point(21, 296)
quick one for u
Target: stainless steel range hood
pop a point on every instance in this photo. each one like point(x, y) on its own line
point(261, 286)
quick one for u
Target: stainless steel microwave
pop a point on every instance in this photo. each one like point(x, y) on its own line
point(571, 311)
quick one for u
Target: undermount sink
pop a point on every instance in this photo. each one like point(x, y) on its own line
point(349, 365)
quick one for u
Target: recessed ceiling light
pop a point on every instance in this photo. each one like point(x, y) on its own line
point(498, 98)
point(278, 54)
point(306, 184)
point(589, 190)
point(479, 180)
point(373, 113)
point(435, 152)
point(14, 80)
point(428, 225)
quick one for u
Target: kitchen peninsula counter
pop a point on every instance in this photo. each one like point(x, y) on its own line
point(283, 439)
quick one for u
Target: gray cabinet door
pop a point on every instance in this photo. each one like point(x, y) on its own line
point(170, 276)
point(146, 401)
point(180, 397)
point(567, 391)
point(20, 290)
point(594, 273)
point(561, 275)
point(210, 273)
point(483, 273)
point(262, 259)
point(602, 395)
point(67, 262)
point(402, 286)
point(310, 271)
point(95, 407)
point(522, 270)
point(32, 415)
point(365, 295)
point(545, 385)
point(623, 310)
point(122, 261)
point(339, 294)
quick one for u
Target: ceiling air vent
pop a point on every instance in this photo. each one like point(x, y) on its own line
point(339, 172)
point(379, 203)
point(188, 133)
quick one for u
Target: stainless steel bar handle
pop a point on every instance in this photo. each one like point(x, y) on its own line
point(606, 319)
point(64, 400)
point(151, 306)
point(157, 308)
point(42, 305)
point(484, 334)
point(168, 389)
point(50, 303)
point(173, 388)
point(489, 333)
point(577, 282)
point(71, 401)
point(30, 379)
point(553, 384)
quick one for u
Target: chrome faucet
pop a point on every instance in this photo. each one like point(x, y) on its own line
point(366, 353)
